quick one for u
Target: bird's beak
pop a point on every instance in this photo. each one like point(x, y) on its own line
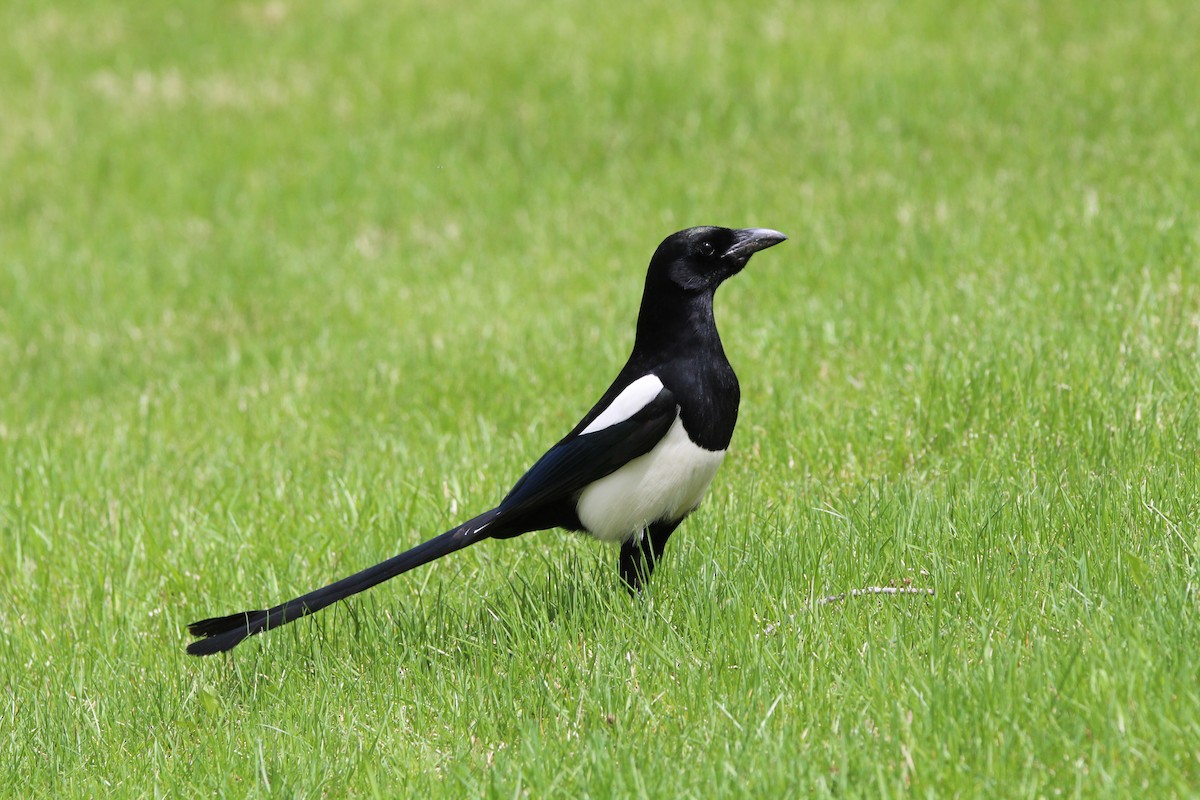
point(749, 241)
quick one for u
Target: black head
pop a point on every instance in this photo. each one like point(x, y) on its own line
point(698, 259)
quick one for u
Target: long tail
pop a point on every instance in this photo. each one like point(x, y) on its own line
point(224, 633)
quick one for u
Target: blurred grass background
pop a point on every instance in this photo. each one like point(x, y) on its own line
point(285, 288)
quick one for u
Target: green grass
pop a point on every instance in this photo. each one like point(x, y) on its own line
point(286, 288)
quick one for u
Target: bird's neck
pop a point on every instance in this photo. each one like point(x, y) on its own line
point(677, 321)
point(677, 340)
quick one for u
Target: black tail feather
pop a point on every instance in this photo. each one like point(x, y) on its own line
point(224, 633)
point(215, 625)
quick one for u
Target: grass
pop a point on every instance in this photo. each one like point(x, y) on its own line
point(285, 288)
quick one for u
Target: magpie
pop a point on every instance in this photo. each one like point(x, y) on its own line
point(635, 465)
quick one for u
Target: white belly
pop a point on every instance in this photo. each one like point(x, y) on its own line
point(666, 483)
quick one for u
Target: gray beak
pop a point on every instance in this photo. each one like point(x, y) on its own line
point(749, 241)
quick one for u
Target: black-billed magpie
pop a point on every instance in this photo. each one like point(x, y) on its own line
point(635, 465)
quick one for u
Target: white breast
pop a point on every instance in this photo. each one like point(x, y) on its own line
point(666, 483)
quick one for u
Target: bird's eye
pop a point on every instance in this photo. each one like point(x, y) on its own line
point(707, 249)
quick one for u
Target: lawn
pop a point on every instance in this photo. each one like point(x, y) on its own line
point(286, 288)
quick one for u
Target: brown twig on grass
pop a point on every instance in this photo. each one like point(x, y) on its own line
point(834, 598)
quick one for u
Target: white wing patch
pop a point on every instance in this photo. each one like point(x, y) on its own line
point(633, 399)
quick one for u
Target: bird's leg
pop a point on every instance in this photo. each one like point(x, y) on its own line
point(640, 554)
point(635, 563)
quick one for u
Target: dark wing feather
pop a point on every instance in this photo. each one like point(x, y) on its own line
point(578, 460)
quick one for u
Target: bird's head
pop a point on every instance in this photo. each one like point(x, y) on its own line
point(698, 259)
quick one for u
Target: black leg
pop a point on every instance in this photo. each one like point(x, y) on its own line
point(638, 558)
